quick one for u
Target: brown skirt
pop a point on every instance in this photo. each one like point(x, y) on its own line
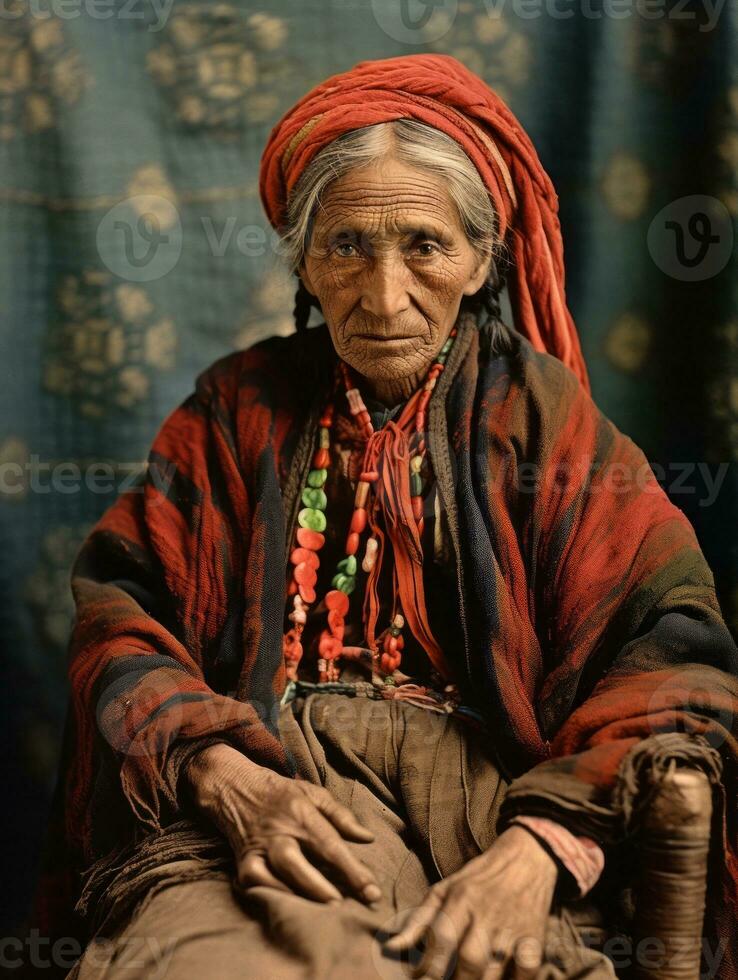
point(426, 787)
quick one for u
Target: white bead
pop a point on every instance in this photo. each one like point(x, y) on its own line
point(370, 555)
point(356, 402)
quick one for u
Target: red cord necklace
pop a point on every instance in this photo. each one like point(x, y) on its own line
point(388, 500)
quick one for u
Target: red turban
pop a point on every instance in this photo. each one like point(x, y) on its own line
point(440, 91)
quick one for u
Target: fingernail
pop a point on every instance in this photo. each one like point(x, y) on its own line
point(372, 893)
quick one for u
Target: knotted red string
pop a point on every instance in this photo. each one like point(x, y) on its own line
point(388, 454)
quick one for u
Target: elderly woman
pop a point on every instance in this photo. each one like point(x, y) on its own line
point(363, 671)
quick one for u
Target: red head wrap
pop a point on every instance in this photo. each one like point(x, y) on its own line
point(440, 91)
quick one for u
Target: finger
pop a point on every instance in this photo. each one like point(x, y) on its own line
point(253, 870)
point(474, 954)
point(498, 960)
point(290, 865)
point(340, 816)
point(326, 843)
point(443, 938)
point(499, 954)
point(527, 958)
point(415, 927)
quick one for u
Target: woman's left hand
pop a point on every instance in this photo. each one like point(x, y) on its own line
point(490, 916)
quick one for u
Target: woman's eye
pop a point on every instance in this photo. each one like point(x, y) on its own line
point(427, 248)
point(346, 250)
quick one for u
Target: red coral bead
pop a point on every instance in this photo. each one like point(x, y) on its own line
point(321, 459)
point(336, 623)
point(305, 575)
point(352, 543)
point(358, 520)
point(307, 593)
point(300, 555)
point(335, 599)
point(292, 649)
point(329, 647)
point(313, 540)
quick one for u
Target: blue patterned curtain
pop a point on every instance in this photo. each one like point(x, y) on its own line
point(134, 253)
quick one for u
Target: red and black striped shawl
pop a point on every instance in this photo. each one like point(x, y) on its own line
point(588, 612)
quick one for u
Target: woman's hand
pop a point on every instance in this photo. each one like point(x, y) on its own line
point(491, 915)
point(275, 824)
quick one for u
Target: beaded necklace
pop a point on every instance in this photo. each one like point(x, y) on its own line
point(386, 649)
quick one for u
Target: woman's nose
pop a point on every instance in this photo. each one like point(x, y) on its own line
point(385, 293)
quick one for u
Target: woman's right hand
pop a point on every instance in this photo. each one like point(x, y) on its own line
point(275, 825)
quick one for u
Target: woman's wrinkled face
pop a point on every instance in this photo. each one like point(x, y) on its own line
point(389, 262)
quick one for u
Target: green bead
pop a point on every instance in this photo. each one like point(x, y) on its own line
point(447, 346)
point(316, 478)
point(314, 498)
point(416, 484)
point(347, 565)
point(312, 519)
point(344, 583)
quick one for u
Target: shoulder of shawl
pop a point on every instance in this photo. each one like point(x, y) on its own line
point(516, 371)
point(274, 371)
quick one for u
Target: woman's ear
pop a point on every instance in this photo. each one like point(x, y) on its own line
point(305, 278)
point(478, 276)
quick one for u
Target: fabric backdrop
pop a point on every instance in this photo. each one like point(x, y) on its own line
point(134, 253)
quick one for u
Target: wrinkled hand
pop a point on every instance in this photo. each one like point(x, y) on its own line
point(491, 915)
point(275, 825)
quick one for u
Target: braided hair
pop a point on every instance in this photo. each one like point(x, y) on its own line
point(303, 305)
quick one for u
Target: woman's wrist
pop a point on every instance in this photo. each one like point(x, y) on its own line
point(544, 857)
point(208, 770)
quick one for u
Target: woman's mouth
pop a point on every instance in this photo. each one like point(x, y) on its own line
point(385, 338)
